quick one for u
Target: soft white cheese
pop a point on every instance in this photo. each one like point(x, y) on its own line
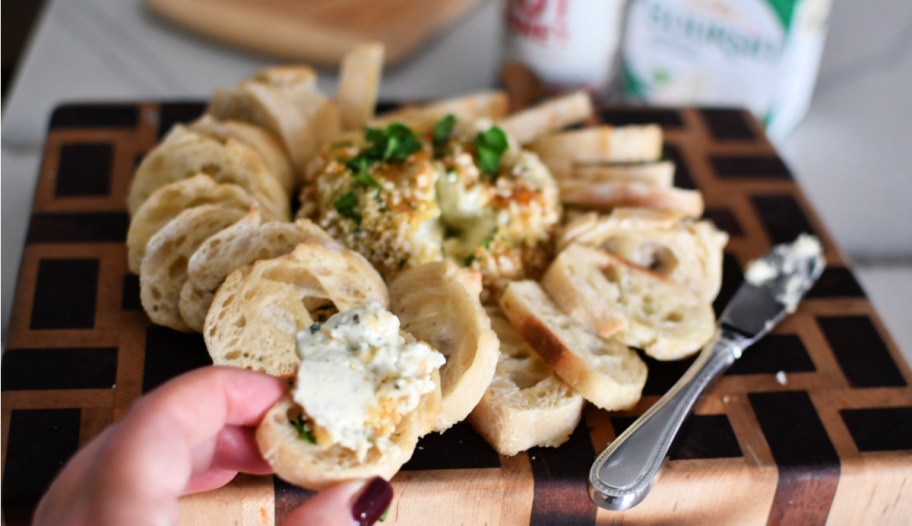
point(359, 375)
point(791, 258)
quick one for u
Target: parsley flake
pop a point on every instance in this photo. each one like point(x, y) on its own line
point(303, 430)
point(490, 146)
point(385, 514)
point(346, 206)
point(367, 180)
point(395, 143)
point(442, 131)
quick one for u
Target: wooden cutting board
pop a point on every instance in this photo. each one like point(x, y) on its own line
point(813, 425)
point(315, 31)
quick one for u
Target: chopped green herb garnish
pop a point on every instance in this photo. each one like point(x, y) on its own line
point(442, 131)
point(490, 146)
point(346, 205)
point(303, 429)
point(385, 514)
point(367, 180)
point(467, 262)
point(395, 143)
point(486, 242)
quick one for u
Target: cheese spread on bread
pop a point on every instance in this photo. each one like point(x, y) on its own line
point(359, 376)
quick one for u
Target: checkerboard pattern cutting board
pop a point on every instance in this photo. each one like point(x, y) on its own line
point(812, 426)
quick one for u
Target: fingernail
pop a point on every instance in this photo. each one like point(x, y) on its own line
point(374, 499)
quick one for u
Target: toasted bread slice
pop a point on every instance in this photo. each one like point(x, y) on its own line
point(530, 124)
point(527, 404)
point(184, 153)
point(604, 371)
point(605, 195)
point(660, 174)
point(687, 252)
point(265, 143)
point(310, 466)
point(286, 102)
point(666, 320)
point(259, 309)
point(439, 304)
point(164, 267)
point(621, 144)
point(359, 81)
point(170, 200)
point(240, 244)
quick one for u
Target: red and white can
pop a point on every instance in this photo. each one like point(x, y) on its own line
point(566, 43)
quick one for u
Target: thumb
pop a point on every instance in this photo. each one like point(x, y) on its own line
point(359, 502)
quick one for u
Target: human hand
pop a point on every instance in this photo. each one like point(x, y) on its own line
point(192, 434)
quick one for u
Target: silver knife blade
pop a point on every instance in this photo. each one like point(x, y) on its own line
point(622, 475)
point(773, 286)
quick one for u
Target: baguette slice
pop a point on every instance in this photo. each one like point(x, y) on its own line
point(184, 153)
point(259, 309)
point(439, 304)
point(265, 143)
point(359, 81)
point(527, 404)
point(687, 252)
point(666, 320)
point(530, 124)
point(170, 200)
point(606, 195)
point(313, 467)
point(286, 102)
point(240, 244)
point(605, 372)
point(622, 144)
point(164, 267)
point(660, 174)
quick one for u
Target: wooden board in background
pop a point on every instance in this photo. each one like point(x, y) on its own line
point(831, 443)
point(315, 31)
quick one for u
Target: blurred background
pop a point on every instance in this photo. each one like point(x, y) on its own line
point(838, 106)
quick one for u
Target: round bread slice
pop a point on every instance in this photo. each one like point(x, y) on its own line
point(170, 200)
point(284, 101)
point(604, 371)
point(185, 152)
point(164, 267)
point(242, 243)
point(526, 405)
point(684, 251)
point(439, 303)
point(666, 320)
point(604, 195)
point(265, 143)
point(311, 466)
point(259, 309)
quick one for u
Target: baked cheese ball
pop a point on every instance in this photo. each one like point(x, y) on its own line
point(459, 190)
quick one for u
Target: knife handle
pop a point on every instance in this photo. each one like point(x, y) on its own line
point(623, 474)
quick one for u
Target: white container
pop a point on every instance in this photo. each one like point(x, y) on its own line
point(567, 43)
point(760, 54)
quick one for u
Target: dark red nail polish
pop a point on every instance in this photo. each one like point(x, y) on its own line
point(374, 499)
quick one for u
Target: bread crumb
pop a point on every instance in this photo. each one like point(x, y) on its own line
point(781, 378)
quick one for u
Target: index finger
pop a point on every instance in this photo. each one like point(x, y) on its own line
point(198, 404)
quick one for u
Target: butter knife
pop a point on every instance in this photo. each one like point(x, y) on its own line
point(774, 284)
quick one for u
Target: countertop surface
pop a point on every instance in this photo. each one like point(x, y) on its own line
point(851, 154)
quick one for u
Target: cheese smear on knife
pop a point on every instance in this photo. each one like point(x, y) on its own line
point(359, 376)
